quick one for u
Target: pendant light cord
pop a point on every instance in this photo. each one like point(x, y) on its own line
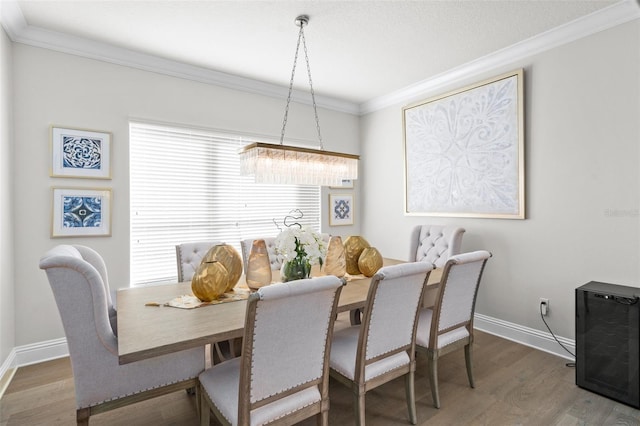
point(302, 23)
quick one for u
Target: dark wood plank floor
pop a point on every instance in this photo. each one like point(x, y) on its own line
point(515, 385)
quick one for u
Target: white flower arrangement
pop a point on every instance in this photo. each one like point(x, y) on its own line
point(301, 243)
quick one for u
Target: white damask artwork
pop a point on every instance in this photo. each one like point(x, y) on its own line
point(464, 152)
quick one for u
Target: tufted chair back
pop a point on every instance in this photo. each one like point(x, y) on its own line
point(82, 300)
point(435, 244)
point(189, 256)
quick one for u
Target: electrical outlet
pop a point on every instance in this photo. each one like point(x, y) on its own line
point(544, 306)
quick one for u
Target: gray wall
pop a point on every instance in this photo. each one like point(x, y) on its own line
point(7, 306)
point(582, 103)
point(582, 133)
point(64, 90)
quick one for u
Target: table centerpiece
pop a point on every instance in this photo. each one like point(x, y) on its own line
point(299, 247)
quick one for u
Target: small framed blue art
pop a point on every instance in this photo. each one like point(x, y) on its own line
point(340, 209)
point(80, 153)
point(81, 212)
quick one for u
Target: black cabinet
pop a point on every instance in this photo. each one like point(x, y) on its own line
point(607, 341)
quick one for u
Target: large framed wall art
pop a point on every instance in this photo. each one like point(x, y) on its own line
point(464, 151)
point(80, 153)
point(81, 212)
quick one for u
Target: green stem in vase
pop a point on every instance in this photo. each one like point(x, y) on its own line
point(296, 269)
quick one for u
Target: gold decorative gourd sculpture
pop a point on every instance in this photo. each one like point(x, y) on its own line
point(209, 281)
point(230, 259)
point(335, 262)
point(353, 247)
point(370, 261)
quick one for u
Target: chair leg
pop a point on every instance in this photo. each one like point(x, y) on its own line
point(468, 352)
point(204, 409)
point(237, 346)
point(359, 408)
point(82, 416)
point(411, 397)
point(322, 419)
point(355, 315)
point(222, 351)
point(198, 391)
point(433, 378)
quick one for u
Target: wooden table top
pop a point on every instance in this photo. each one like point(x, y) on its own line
point(148, 331)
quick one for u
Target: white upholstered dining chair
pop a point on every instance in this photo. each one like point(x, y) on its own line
point(189, 256)
point(101, 383)
point(448, 326)
point(434, 243)
point(92, 257)
point(282, 375)
point(381, 349)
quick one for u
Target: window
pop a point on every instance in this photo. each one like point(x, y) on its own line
point(185, 186)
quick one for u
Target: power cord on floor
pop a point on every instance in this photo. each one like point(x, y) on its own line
point(568, 364)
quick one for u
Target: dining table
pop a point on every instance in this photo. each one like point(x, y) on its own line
point(147, 327)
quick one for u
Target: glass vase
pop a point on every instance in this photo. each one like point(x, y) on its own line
point(258, 272)
point(295, 269)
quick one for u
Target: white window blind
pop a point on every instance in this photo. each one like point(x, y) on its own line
point(185, 186)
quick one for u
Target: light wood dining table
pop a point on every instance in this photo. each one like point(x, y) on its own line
point(148, 331)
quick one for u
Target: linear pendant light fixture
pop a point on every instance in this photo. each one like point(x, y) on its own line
point(272, 163)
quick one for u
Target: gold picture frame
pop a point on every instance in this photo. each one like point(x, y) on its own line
point(464, 151)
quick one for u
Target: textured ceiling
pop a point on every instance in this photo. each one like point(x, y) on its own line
point(358, 50)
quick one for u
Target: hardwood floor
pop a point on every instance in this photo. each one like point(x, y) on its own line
point(515, 385)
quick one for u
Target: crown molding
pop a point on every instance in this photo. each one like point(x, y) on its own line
point(609, 17)
point(11, 18)
point(20, 32)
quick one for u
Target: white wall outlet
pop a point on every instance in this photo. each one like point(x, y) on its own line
point(544, 306)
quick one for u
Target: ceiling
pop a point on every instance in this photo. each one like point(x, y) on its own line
point(359, 50)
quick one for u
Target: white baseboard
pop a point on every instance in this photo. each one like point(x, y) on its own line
point(21, 356)
point(40, 352)
point(8, 363)
point(53, 349)
point(524, 335)
point(7, 370)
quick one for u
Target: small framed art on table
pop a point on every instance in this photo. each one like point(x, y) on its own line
point(80, 153)
point(340, 209)
point(80, 212)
